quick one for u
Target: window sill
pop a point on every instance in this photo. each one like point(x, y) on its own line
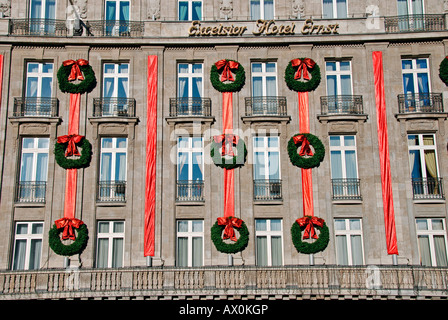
point(111, 203)
point(29, 204)
point(348, 201)
point(190, 203)
point(421, 115)
point(342, 117)
point(428, 201)
point(268, 202)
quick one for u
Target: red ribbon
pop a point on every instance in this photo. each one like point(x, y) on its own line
point(226, 65)
point(75, 73)
point(227, 140)
point(72, 140)
point(310, 222)
point(230, 223)
point(304, 65)
point(306, 147)
point(68, 224)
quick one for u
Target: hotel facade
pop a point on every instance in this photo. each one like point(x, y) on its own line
point(187, 38)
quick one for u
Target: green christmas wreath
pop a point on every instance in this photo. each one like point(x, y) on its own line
point(294, 71)
point(302, 161)
point(217, 236)
point(227, 83)
point(78, 245)
point(443, 71)
point(82, 162)
point(310, 247)
point(225, 162)
point(67, 73)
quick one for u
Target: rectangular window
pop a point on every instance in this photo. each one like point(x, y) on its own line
point(431, 234)
point(115, 89)
point(190, 10)
point(267, 178)
point(264, 79)
point(334, 9)
point(43, 9)
point(113, 168)
point(190, 83)
point(339, 78)
point(269, 243)
point(27, 245)
point(110, 245)
point(190, 168)
point(410, 7)
point(262, 9)
point(415, 76)
point(38, 89)
point(349, 247)
point(117, 17)
point(190, 243)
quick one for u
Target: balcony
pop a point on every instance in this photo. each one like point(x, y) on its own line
point(37, 27)
point(427, 188)
point(113, 107)
point(346, 189)
point(341, 105)
point(190, 191)
point(111, 191)
point(267, 190)
point(190, 107)
point(35, 107)
point(420, 103)
point(30, 191)
point(413, 23)
point(114, 28)
point(265, 106)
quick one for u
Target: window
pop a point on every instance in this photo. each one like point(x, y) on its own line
point(190, 247)
point(344, 167)
point(117, 17)
point(349, 248)
point(409, 7)
point(112, 184)
point(416, 84)
point(431, 234)
point(262, 9)
point(339, 78)
point(110, 244)
point(269, 247)
point(264, 79)
point(27, 245)
point(190, 84)
point(424, 167)
point(190, 10)
point(42, 9)
point(33, 170)
point(115, 89)
point(267, 179)
point(190, 168)
point(38, 90)
point(333, 9)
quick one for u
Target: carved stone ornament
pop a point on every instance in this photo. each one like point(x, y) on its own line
point(153, 10)
point(298, 9)
point(226, 9)
point(5, 8)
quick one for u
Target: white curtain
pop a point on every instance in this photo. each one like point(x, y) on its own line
point(440, 251)
point(356, 246)
point(341, 250)
point(197, 167)
point(31, 87)
point(117, 253)
point(19, 255)
point(255, 9)
point(336, 164)
point(276, 250)
point(196, 10)
point(182, 166)
point(274, 165)
point(26, 169)
point(262, 249)
point(425, 255)
point(120, 167)
point(268, 9)
point(106, 164)
point(197, 252)
point(341, 9)
point(182, 252)
point(328, 9)
point(103, 250)
point(36, 249)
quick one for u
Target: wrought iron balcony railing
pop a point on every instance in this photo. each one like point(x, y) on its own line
point(113, 107)
point(38, 27)
point(343, 104)
point(427, 188)
point(189, 190)
point(267, 190)
point(31, 191)
point(35, 107)
point(417, 22)
point(265, 106)
point(114, 28)
point(346, 189)
point(111, 191)
point(193, 107)
point(420, 102)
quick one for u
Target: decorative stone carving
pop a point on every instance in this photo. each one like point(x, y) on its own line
point(5, 8)
point(226, 9)
point(153, 10)
point(298, 9)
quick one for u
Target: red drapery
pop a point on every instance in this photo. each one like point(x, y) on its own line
point(383, 144)
point(227, 123)
point(1, 76)
point(151, 148)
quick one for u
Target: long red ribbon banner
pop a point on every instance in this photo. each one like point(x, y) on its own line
point(227, 121)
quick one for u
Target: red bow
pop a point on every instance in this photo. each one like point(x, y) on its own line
point(304, 65)
point(68, 224)
point(230, 223)
point(72, 140)
point(75, 73)
point(310, 222)
point(227, 140)
point(227, 65)
point(306, 147)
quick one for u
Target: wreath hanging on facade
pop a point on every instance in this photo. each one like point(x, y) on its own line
point(227, 158)
point(305, 158)
point(72, 70)
point(302, 67)
point(66, 146)
point(227, 225)
point(443, 71)
point(308, 224)
point(66, 226)
point(222, 78)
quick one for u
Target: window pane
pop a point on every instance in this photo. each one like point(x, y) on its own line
point(257, 67)
point(276, 250)
point(197, 252)
point(425, 255)
point(183, 10)
point(106, 142)
point(121, 142)
point(182, 252)
point(182, 226)
point(339, 224)
point(103, 249)
point(37, 228)
point(19, 255)
point(118, 227)
point(412, 140)
point(197, 226)
point(260, 225)
point(22, 228)
point(422, 224)
point(341, 249)
point(437, 224)
point(262, 257)
point(440, 250)
point(103, 227)
point(273, 142)
point(355, 224)
point(335, 141)
point(35, 251)
point(276, 225)
point(422, 63)
point(117, 253)
point(356, 245)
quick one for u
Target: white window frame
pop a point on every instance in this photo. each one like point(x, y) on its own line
point(421, 148)
point(338, 73)
point(28, 237)
point(113, 151)
point(335, 10)
point(190, 150)
point(410, 7)
point(190, 9)
point(263, 74)
point(265, 149)
point(190, 74)
point(262, 11)
point(415, 71)
point(348, 233)
point(43, 9)
point(35, 151)
point(39, 75)
point(268, 233)
point(111, 235)
point(117, 8)
point(430, 233)
point(115, 76)
point(342, 148)
point(190, 234)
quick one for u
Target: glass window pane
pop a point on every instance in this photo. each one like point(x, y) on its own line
point(257, 67)
point(422, 63)
point(339, 224)
point(262, 257)
point(276, 225)
point(183, 67)
point(117, 253)
point(119, 227)
point(330, 65)
point(109, 68)
point(103, 252)
point(22, 228)
point(422, 224)
point(355, 224)
point(270, 67)
point(335, 141)
point(106, 142)
point(260, 225)
point(197, 142)
point(425, 255)
point(412, 140)
point(37, 228)
point(273, 142)
point(197, 68)
point(356, 246)
point(440, 251)
point(437, 224)
point(123, 68)
point(103, 227)
point(349, 140)
point(182, 226)
point(121, 142)
point(43, 143)
point(345, 65)
point(276, 251)
point(197, 251)
point(183, 10)
point(28, 143)
point(341, 250)
point(197, 226)
point(19, 255)
point(35, 252)
point(406, 64)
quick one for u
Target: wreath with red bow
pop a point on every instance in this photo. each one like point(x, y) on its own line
point(222, 78)
point(443, 71)
point(67, 227)
point(72, 70)
point(306, 158)
point(224, 228)
point(302, 68)
point(308, 224)
point(226, 158)
point(67, 146)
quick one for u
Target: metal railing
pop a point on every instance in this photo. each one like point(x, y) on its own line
point(343, 104)
point(189, 190)
point(114, 107)
point(420, 102)
point(267, 190)
point(114, 28)
point(37, 27)
point(265, 106)
point(417, 22)
point(427, 188)
point(111, 191)
point(35, 107)
point(31, 191)
point(346, 189)
point(195, 107)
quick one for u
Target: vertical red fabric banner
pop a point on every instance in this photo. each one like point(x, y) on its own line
point(383, 144)
point(1, 78)
point(227, 123)
point(151, 152)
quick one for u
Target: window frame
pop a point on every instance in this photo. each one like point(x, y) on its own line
point(116, 75)
point(335, 10)
point(110, 236)
point(190, 10)
point(39, 75)
point(265, 150)
point(262, 6)
point(268, 233)
point(342, 148)
point(338, 73)
point(430, 233)
point(189, 234)
point(190, 150)
point(35, 151)
point(263, 74)
point(415, 71)
point(114, 150)
point(117, 10)
point(28, 237)
point(348, 233)
point(421, 147)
